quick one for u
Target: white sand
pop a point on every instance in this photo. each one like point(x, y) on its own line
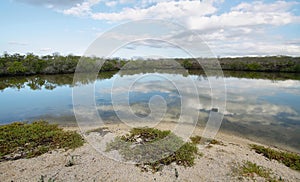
point(217, 164)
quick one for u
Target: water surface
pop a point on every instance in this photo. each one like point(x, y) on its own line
point(261, 106)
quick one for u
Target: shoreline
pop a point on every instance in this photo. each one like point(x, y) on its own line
point(217, 163)
point(221, 132)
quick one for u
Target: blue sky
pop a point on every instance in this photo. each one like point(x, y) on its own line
point(228, 27)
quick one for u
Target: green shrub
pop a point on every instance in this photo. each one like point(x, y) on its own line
point(153, 148)
point(22, 140)
point(289, 159)
point(254, 66)
point(187, 64)
point(146, 134)
point(197, 139)
point(297, 68)
point(249, 169)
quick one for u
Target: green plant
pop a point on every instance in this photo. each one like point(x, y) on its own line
point(146, 134)
point(154, 148)
point(197, 139)
point(187, 64)
point(215, 142)
point(297, 68)
point(289, 159)
point(249, 169)
point(23, 140)
point(254, 66)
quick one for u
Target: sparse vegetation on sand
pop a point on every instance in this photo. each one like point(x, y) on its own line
point(197, 139)
point(23, 140)
point(289, 159)
point(153, 148)
point(250, 169)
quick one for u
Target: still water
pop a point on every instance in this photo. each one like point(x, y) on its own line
point(264, 107)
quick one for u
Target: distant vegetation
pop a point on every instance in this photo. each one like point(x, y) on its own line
point(263, 64)
point(291, 160)
point(22, 140)
point(30, 64)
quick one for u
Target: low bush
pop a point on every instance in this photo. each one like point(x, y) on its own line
point(23, 140)
point(289, 159)
point(153, 148)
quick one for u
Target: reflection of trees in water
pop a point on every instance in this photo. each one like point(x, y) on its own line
point(50, 82)
point(273, 76)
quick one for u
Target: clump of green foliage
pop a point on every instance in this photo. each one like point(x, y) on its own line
point(23, 140)
point(153, 148)
point(250, 168)
point(197, 139)
point(146, 134)
point(289, 159)
point(254, 66)
point(297, 68)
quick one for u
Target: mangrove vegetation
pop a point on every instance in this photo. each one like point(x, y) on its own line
point(30, 64)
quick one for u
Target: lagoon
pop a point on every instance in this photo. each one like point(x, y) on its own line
point(263, 107)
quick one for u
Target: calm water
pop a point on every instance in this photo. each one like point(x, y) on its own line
point(260, 106)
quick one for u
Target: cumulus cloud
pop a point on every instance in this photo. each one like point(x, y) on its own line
point(111, 3)
point(81, 9)
point(240, 30)
point(247, 15)
point(161, 10)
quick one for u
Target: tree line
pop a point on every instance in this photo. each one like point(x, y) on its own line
point(30, 64)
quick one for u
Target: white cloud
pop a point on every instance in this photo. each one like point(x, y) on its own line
point(161, 10)
point(81, 9)
point(259, 6)
point(242, 30)
point(111, 3)
point(126, 1)
point(247, 15)
point(198, 15)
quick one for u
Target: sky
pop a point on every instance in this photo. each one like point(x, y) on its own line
point(229, 28)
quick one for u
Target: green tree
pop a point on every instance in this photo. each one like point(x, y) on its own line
point(16, 68)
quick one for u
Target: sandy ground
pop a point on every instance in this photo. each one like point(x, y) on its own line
point(217, 164)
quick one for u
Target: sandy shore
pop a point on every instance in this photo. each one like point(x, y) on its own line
point(218, 163)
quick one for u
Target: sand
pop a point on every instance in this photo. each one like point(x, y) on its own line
point(218, 163)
